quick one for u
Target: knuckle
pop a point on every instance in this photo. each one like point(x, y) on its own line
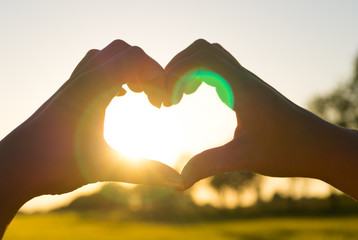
point(119, 43)
point(217, 45)
point(92, 52)
point(137, 50)
point(201, 42)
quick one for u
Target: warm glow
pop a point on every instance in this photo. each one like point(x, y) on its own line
point(139, 130)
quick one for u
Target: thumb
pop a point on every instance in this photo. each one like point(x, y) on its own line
point(211, 162)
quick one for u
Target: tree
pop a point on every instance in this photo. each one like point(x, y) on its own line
point(232, 180)
point(341, 105)
point(237, 181)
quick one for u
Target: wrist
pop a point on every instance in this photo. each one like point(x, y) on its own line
point(13, 192)
point(333, 154)
point(342, 160)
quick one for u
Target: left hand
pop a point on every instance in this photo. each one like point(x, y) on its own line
point(61, 146)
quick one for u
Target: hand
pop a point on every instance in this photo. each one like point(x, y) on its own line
point(61, 146)
point(273, 137)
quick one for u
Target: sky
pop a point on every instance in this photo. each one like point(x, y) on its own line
point(301, 48)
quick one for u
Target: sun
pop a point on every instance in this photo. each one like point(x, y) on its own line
point(138, 130)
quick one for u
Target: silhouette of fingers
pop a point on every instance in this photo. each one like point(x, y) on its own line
point(148, 172)
point(192, 48)
point(201, 44)
point(101, 57)
point(154, 88)
point(131, 66)
point(211, 162)
point(198, 57)
point(121, 92)
point(150, 79)
point(115, 167)
point(200, 61)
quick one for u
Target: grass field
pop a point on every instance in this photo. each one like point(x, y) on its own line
point(71, 226)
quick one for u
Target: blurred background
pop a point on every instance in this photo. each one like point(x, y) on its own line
point(307, 50)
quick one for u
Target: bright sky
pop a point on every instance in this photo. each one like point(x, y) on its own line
point(299, 47)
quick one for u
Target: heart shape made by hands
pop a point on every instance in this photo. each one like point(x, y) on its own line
point(171, 135)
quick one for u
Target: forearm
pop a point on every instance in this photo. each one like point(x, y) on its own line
point(342, 161)
point(335, 155)
point(10, 203)
point(12, 192)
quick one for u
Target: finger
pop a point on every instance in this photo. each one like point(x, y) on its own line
point(195, 46)
point(150, 78)
point(180, 74)
point(101, 57)
point(211, 162)
point(178, 84)
point(155, 91)
point(153, 88)
point(146, 172)
point(116, 167)
point(192, 86)
point(201, 44)
point(121, 92)
point(186, 82)
point(135, 85)
point(108, 78)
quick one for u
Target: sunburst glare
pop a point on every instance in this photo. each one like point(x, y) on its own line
point(137, 129)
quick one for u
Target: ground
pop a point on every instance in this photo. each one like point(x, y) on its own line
point(72, 226)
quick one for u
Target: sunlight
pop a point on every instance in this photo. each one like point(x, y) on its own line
point(137, 129)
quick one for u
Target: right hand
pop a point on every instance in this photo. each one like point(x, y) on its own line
point(273, 137)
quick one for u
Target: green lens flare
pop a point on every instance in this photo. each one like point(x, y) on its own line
point(190, 82)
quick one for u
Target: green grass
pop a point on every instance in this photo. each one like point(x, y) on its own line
point(71, 226)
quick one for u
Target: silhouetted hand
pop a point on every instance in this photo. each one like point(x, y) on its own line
point(273, 137)
point(61, 146)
